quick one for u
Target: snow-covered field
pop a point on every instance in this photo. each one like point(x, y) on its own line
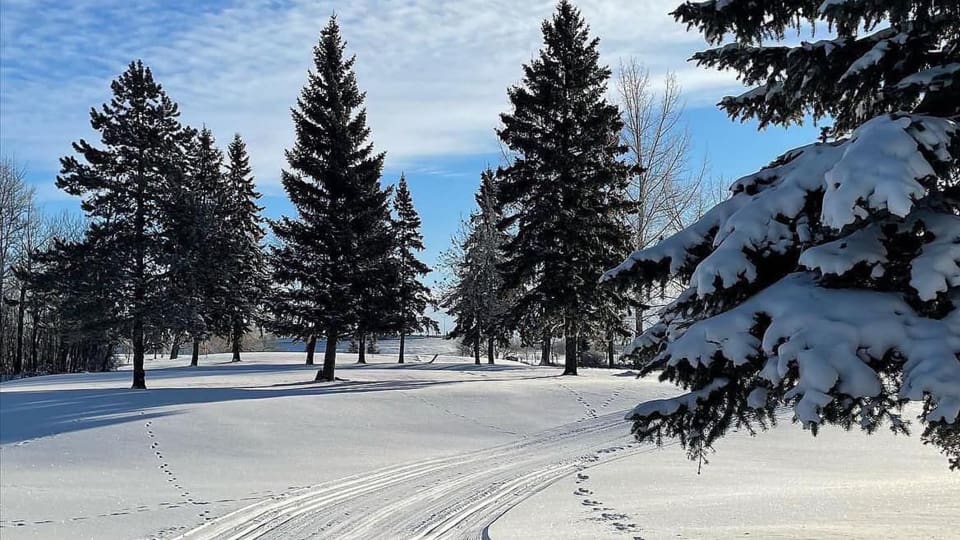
point(441, 450)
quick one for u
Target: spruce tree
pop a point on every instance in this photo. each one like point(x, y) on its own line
point(483, 280)
point(377, 280)
point(245, 264)
point(413, 296)
point(74, 279)
point(333, 182)
point(124, 184)
point(563, 191)
point(461, 296)
point(830, 280)
point(197, 220)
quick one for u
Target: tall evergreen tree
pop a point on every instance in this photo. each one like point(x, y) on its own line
point(563, 191)
point(197, 219)
point(377, 280)
point(334, 183)
point(830, 280)
point(460, 295)
point(245, 272)
point(477, 298)
point(413, 296)
point(124, 184)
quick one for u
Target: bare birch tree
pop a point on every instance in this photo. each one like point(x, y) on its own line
point(666, 187)
point(16, 203)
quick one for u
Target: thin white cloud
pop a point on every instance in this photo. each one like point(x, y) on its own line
point(435, 73)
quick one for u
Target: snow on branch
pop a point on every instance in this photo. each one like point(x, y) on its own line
point(934, 78)
point(884, 165)
point(937, 268)
point(814, 355)
point(933, 270)
point(669, 406)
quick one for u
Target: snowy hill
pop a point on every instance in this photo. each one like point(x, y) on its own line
point(439, 450)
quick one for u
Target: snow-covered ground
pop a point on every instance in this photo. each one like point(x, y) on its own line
point(441, 450)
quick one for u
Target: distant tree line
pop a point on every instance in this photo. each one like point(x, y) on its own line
point(172, 252)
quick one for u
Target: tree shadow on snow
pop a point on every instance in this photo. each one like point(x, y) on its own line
point(31, 414)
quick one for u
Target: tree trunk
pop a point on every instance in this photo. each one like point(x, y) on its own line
point(311, 346)
point(21, 313)
point(490, 350)
point(639, 315)
point(476, 352)
point(3, 319)
point(195, 356)
point(362, 351)
point(61, 360)
point(570, 362)
point(545, 351)
point(237, 338)
point(35, 338)
point(610, 355)
point(175, 347)
point(105, 365)
point(401, 346)
point(139, 375)
point(140, 283)
point(329, 358)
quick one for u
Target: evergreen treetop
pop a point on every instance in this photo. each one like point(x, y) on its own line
point(333, 182)
point(125, 186)
point(562, 190)
point(413, 296)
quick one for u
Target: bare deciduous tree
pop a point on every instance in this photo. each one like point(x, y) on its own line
point(16, 203)
point(668, 190)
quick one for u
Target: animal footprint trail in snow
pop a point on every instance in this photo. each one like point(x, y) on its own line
point(591, 412)
point(613, 396)
point(601, 513)
point(172, 478)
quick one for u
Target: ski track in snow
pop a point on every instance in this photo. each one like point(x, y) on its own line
point(453, 497)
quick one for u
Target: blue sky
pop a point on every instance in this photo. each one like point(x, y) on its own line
point(435, 73)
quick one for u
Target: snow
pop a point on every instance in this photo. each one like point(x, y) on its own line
point(933, 271)
point(934, 78)
point(83, 456)
point(937, 268)
point(828, 347)
point(842, 255)
point(666, 407)
point(882, 166)
point(874, 56)
point(838, 486)
point(438, 450)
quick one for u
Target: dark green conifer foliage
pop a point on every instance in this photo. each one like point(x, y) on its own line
point(124, 184)
point(563, 191)
point(377, 278)
point(889, 80)
point(413, 296)
point(246, 279)
point(200, 253)
point(477, 299)
point(333, 181)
